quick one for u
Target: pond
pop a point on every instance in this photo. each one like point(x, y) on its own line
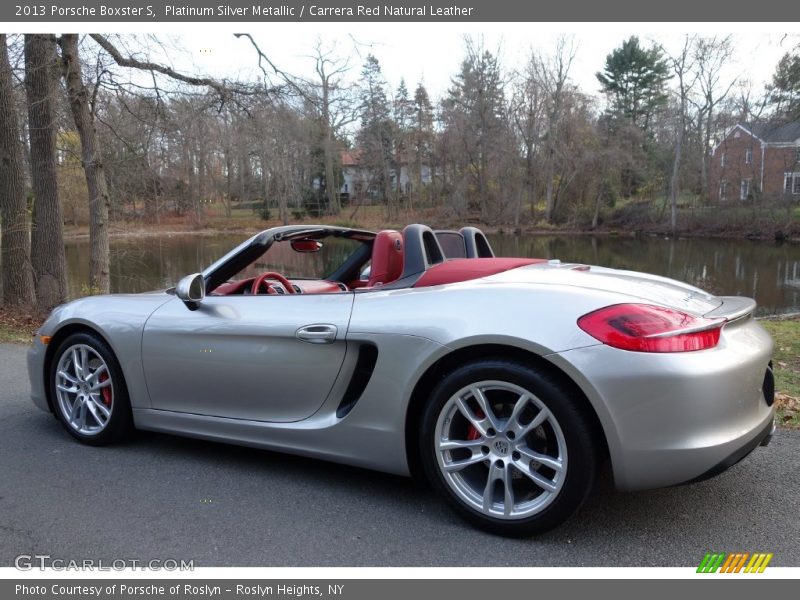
point(766, 271)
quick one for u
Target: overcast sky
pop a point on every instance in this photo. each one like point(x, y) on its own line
point(432, 52)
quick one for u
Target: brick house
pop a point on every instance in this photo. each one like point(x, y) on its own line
point(761, 160)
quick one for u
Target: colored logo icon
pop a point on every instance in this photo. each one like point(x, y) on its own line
point(736, 562)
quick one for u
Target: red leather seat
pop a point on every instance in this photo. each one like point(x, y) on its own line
point(387, 258)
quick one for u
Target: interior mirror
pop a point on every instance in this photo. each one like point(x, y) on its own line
point(191, 289)
point(306, 245)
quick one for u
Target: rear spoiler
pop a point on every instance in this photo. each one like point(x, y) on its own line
point(732, 308)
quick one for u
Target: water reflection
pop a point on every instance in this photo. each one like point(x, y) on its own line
point(768, 272)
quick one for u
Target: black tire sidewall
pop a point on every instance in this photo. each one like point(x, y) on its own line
point(120, 423)
point(575, 426)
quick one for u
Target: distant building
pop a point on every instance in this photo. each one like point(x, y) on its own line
point(759, 160)
point(357, 178)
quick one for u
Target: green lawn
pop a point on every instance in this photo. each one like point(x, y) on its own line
point(786, 364)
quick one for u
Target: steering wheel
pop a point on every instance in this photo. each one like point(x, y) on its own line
point(271, 275)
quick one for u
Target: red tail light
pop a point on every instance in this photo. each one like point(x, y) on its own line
point(647, 328)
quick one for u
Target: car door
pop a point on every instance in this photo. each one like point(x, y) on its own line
point(264, 358)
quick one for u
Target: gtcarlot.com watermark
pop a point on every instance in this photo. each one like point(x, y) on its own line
point(42, 562)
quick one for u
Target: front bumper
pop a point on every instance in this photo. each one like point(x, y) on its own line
point(36, 355)
point(678, 417)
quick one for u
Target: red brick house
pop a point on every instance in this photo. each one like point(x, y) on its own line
point(758, 161)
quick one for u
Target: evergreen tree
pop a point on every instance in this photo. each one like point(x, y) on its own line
point(784, 91)
point(475, 112)
point(403, 121)
point(422, 136)
point(377, 134)
point(635, 80)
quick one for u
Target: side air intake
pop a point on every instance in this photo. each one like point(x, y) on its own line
point(365, 365)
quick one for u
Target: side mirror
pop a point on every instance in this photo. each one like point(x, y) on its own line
point(191, 289)
point(306, 245)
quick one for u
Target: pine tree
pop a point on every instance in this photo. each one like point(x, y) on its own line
point(377, 134)
point(475, 111)
point(403, 120)
point(635, 80)
point(422, 136)
point(784, 91)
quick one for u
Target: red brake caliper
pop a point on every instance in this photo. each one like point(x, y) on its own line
point(472, 433)
point(106, 391)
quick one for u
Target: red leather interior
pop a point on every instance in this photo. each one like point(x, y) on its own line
point(307, 286)
point(316, 286)
point(387, 258)
point(232, 287)
point(465, 269)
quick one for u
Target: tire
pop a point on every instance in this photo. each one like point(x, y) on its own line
point(92, 411)
point(473, 460)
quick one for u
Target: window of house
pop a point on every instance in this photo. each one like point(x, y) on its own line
point(797, 155)
point(791, 183)
point(722, 160)
point(744, 191)
point(748, 156)
point(723, 189)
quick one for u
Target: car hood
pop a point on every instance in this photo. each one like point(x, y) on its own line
point(638, 287)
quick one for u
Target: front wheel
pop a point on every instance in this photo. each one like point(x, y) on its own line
point(509, 447)
point(88, 390)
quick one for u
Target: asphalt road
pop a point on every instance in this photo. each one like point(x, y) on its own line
point(159, 497)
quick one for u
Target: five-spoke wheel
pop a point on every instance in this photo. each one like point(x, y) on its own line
point(509, 447)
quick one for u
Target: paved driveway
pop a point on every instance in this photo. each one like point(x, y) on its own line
point(160, 496)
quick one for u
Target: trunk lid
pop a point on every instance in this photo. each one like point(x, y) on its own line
point(637, 287)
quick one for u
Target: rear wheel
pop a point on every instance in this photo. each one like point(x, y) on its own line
point(88, 390)
point(508, 447)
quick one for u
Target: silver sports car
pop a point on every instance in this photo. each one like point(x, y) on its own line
point(507, 382)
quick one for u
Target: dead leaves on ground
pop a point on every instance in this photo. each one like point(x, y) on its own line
point(788, 410)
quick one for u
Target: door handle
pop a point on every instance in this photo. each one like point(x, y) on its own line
point(317, 334)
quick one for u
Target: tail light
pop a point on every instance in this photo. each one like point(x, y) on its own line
point(647, 328)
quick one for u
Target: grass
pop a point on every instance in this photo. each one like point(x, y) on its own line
point(786, 365)
point(18, 328)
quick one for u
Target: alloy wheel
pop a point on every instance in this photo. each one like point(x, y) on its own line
point(84, 389)
point(500, 450)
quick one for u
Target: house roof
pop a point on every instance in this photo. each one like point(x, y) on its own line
point(355, 157)
point(776, 133)
point(351, 158)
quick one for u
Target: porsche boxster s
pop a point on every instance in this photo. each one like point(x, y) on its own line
point(506, 382)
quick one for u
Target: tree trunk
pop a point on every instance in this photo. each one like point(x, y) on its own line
point(598, 200)
point(17, 277)
point(228, 182)
point(673, 183)
point(92, 160)
point(330, 183)
point(331, 189)
point(47, 237)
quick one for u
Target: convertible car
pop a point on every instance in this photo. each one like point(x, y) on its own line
point(506, 382)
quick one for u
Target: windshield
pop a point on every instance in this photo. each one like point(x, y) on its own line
point(298, 265)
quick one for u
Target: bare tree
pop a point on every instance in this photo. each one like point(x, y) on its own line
point(92, 162)
point(554, 74)
point(528, 116)
point(47, 238)
point(17, 278)
point(683, 67)
point(330, 97)
point(711, 55)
